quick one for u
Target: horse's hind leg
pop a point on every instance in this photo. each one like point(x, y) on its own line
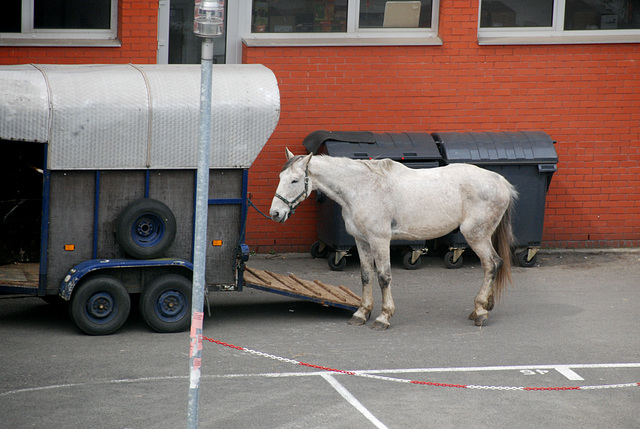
point(491, 263)
point(367, 272)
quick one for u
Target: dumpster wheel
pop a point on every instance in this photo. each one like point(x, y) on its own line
point(527, 258)
point(337, 261)
point(453, 259)
point(319, 250)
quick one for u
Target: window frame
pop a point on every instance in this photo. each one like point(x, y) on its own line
point(556, 34)
point(30, 36)
point(354, 36)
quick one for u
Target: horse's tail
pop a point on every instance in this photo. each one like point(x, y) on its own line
point(503, 241)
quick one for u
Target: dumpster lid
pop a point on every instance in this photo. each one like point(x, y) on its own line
point(313, 141)
point(368, 145)
point(522, 147)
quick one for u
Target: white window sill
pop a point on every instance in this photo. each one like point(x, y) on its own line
point(91, 43)
point(556, 39)
point(339, 39)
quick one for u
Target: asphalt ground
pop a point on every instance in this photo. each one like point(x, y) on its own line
point(571, 321)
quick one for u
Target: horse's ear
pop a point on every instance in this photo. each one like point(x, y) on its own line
point(289, 154)
point(307, 159)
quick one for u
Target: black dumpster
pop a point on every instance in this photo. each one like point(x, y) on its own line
point(527, 159)
point(415, 150)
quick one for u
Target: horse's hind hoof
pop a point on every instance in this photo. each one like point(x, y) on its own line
point(479, 321)
point(379, 326)
point(357, 321)
point(479, 316)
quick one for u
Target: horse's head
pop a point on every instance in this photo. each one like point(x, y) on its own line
point(294, 187)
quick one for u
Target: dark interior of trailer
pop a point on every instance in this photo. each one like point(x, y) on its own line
point(21, 180)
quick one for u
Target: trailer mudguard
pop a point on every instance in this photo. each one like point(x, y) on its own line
point(76, 273)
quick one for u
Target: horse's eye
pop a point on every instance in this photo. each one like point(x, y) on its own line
point(294, 181)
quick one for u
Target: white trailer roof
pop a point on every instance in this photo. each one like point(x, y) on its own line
point(137, 116)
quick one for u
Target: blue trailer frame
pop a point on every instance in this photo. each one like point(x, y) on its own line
point(119, 149)
point(77, 272)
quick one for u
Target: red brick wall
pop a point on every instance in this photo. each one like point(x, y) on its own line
point(137, 30)
point(587, 97)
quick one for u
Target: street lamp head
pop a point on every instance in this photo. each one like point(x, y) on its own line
point(208, 18)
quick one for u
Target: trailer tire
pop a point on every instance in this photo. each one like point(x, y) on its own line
point(165, 303)
point(100, 305)
point(145, 229)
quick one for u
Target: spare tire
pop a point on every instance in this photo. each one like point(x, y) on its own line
point(145, 229)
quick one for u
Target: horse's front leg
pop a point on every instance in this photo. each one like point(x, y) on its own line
point(383, 267)
point(367, 272)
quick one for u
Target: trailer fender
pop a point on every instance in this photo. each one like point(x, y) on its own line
point(76, 273)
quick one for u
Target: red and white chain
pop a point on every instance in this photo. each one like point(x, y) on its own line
point(423, 383)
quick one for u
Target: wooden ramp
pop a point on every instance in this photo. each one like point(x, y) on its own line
point(293, 286)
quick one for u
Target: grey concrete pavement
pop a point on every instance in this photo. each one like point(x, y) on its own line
point(571, 321)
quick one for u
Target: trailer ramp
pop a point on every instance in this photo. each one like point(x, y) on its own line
point(295, 287)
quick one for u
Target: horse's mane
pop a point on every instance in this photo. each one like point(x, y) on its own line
point(381, 167)
point(378, 166)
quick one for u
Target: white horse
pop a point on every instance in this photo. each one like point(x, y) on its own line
point(383, 200)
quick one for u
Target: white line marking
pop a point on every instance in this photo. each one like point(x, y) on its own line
point(499, 368)
point(353, 401)
point(568, 372)
point(81, 384)
point(569, 367)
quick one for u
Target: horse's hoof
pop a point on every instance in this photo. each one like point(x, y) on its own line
point(479, 321)
point(379, 326)
point(357, 321)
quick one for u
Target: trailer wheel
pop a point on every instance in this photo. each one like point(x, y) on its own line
point(100, 305)
point(145, 229)
point(165, 304)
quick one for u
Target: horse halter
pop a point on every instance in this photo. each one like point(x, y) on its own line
point(293, 204)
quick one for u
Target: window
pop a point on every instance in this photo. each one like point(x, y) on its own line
point(38, 21)
point(301, 22)
point(558, 21)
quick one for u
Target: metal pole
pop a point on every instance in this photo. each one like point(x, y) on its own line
point(200, 239)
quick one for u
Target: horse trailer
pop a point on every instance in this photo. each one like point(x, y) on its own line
point(98, 173)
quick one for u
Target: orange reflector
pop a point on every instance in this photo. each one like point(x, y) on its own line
point(217, 243)
point(69, 247)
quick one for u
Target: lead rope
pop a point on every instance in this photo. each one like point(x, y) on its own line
point(257, 209)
